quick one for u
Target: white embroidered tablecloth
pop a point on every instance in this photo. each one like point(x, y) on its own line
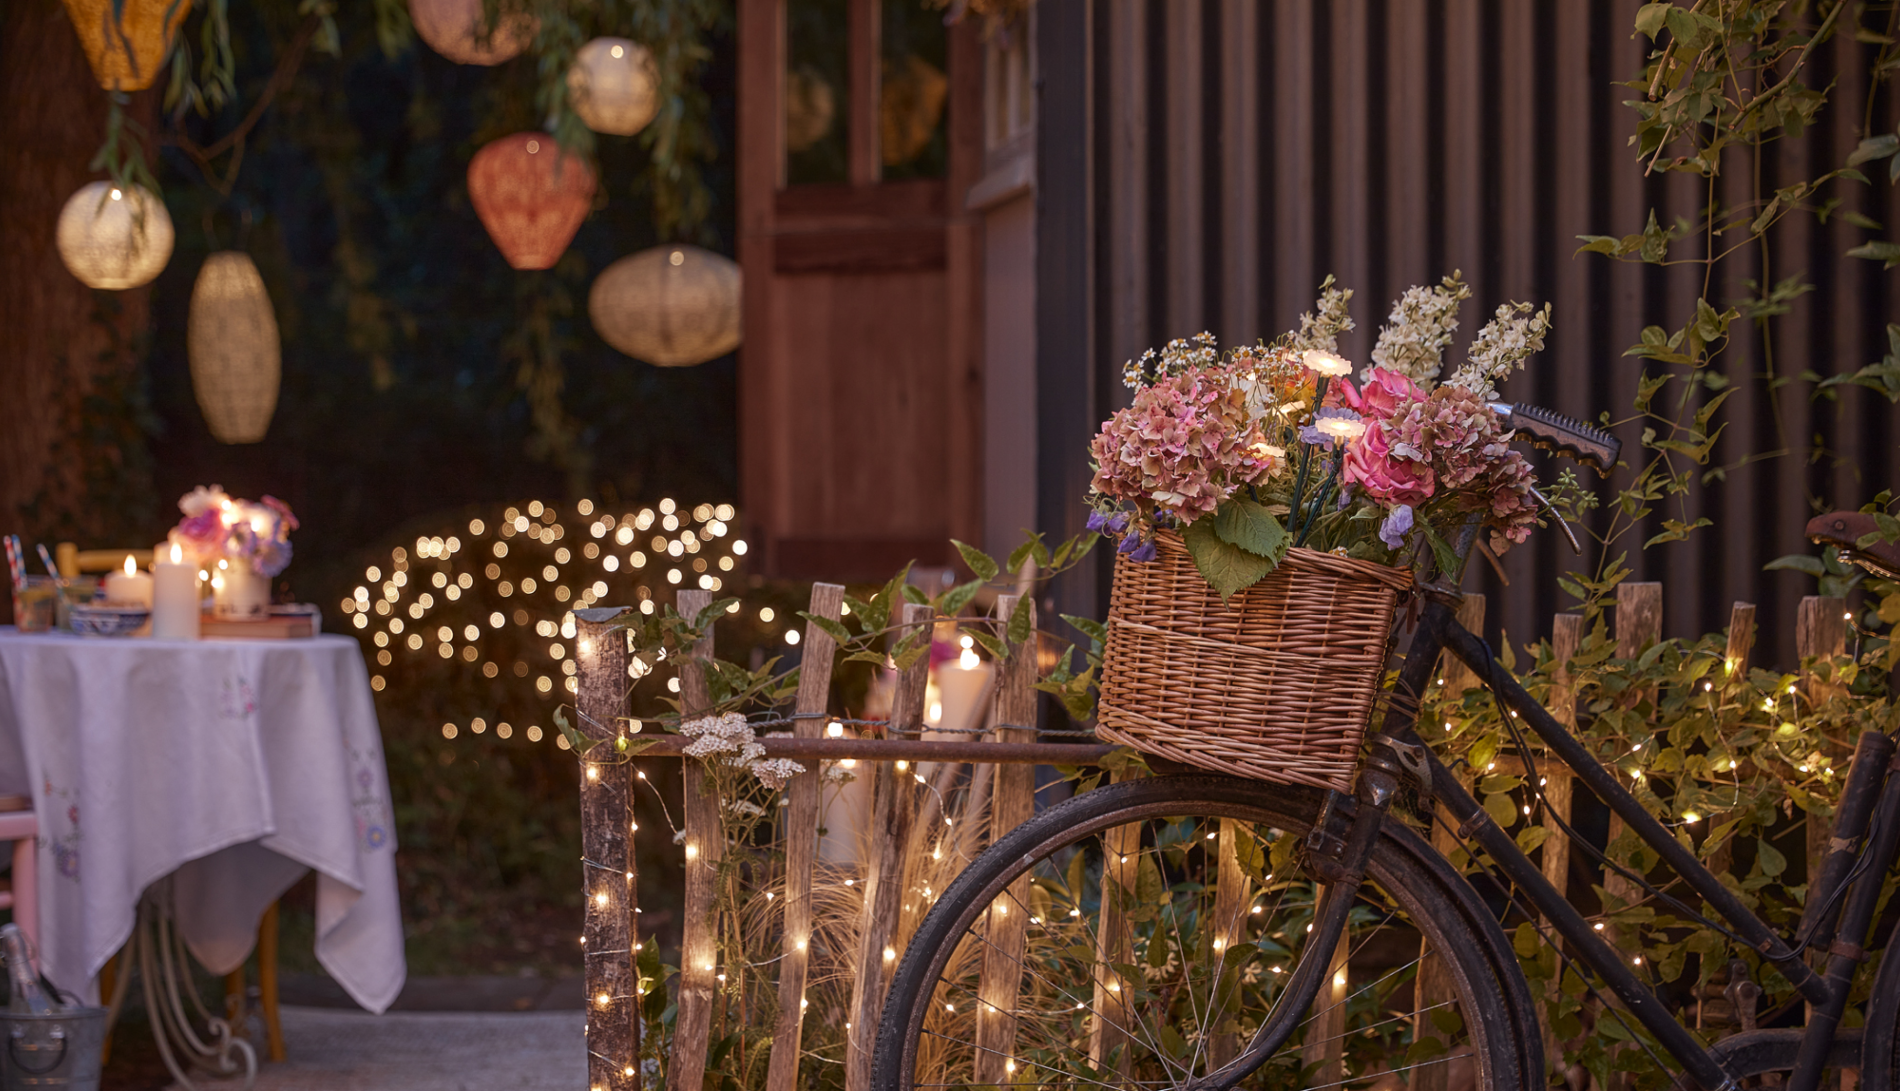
point(231, 766)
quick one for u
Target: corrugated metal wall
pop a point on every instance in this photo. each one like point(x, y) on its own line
point(1240, 151)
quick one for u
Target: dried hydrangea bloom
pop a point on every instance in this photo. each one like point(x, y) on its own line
point(1412, 343)
point(1502, 346)
point(1183, 446)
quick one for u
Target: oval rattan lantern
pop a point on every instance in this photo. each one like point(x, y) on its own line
point(672, 305)
point(114, 238)
point(457, 30)
point(127, 50)
point(531, 196)
point(231, 337)
point(614, 86)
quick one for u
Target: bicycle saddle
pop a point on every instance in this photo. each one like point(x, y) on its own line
point(1842, 529)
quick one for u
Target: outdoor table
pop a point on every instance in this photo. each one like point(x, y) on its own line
point(225, 768)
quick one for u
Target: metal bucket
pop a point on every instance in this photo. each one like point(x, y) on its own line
point(63, 1049)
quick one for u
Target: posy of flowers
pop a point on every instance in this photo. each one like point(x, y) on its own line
point(1255, 451)
point(218, 526)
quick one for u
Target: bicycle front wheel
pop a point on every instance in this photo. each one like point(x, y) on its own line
point(1138, 934)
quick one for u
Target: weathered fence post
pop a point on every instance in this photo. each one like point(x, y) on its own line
point(1820, 632)
point(705, 849)
point(1232, 893)
point(1638, 624)
point(610, 935)
point(1325, 1043)
point(1566, 635)
point(1121, 849)
point(1012, 804)
point(1741, 639)
point(801, 839)
point(893, 810)
point(1434, 984)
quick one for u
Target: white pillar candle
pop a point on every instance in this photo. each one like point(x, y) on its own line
point(175, 601)
point(130, 587)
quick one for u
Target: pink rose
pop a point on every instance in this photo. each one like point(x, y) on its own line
point(1371, 465)
point(1383, 393)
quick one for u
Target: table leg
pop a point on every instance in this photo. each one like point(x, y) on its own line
point(267, 981)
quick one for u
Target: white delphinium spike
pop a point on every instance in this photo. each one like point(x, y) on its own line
point(1322, 331)
point(1416, 333)
point(1502, 347)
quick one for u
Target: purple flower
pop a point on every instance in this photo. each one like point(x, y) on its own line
point(271, 557)
point(1144, 554)
point(1098, 522)
point(1397, 522)
point(1107, 524)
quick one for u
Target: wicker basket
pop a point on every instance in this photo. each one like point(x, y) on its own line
point(1277, 684)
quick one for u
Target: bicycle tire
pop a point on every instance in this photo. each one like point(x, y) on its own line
point(1492, 999)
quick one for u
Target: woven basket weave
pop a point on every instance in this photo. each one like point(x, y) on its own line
point(1276, 684)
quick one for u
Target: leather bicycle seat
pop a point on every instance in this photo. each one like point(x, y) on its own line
point(1842, 529)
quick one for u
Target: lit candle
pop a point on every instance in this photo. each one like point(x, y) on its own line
point(175, 602)
point(130, 587)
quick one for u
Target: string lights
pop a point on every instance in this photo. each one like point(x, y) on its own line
point(495, 599)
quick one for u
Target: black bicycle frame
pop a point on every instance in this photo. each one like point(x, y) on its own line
point(1827, 993)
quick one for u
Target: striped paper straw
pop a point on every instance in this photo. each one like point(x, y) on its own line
point(16, 562)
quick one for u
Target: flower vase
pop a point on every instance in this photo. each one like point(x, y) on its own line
point(243, 596)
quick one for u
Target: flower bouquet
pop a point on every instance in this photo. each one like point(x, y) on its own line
point(1269, 510)
point(242, 544)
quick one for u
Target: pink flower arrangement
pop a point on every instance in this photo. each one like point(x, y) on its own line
point(218, 526)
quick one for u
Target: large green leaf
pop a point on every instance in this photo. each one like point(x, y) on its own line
point(1226, 567)
point(1249, 525)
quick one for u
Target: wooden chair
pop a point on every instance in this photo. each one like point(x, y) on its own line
point(21, 894)
point(73, 561)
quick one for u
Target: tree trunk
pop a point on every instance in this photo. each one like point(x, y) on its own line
point(71, 443)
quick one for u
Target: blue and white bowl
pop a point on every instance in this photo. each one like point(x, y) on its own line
point(109, 620)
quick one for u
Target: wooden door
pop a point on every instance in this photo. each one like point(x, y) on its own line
point(860, 378)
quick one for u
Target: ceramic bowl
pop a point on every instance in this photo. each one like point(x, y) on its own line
point(108, 620)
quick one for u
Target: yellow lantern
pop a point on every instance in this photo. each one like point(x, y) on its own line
point(614, 86)
point(126, 48)
point(672, 305)
point(457, 29)
point(114, 238)
point(232, 341)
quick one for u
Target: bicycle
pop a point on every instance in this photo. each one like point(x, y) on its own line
point(1176, 931)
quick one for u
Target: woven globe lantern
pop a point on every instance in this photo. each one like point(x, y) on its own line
point(614, 86)
point(457, 30)
point(127, 49)
point(531, 196)
point(674, 306)
point(114, 238)
point(231, 338)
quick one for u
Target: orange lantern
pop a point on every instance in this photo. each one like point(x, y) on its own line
point(127, 49)
point(457, 30)
point(531, 197)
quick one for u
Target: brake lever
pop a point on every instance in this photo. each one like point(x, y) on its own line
point(1554, 431)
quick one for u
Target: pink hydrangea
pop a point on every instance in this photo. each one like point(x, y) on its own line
point(1448, 444)
point(1183, 447)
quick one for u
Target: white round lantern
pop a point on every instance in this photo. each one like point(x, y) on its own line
point(672, 305)
point(614, 86)
point(457, 30)
point(236, 360)
point(112, 237)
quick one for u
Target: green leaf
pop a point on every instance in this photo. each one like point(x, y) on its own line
point(1090, 627)
point(1799, 563)
point(1651, 18)
point(980, 562)
point(1226, 567)
point(988, 643)
point(711, 613)
point(1770, 858)
point(833, 629)
point(1249, 525)
point(1501, 808)
point(1874, 147)
point(1878, 251)
point(955, 599)
point(915, 595)
point(1022, 553)
point(1019, 629)
point(1447, 557)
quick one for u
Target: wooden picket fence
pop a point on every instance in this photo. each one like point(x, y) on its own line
point(1001, 763)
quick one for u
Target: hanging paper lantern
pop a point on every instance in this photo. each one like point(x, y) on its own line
point(614, 86)
point(114, 238)
point(456, 29)
point(531, 196)
point(126, 48)
point(232, 341)
point(672, 305)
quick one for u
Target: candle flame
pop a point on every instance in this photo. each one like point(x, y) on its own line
point(178, 555)
point(130, 567)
